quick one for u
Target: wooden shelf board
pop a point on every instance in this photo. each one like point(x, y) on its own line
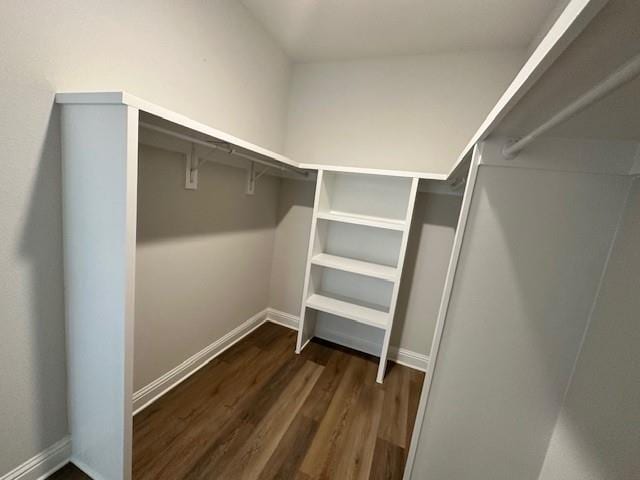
point(359, 313)
point(360, 267)
point(366, 220)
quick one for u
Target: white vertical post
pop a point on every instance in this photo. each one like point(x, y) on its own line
point(305, 330)
point(382, 366)
point(444, 307)
point(100, 162)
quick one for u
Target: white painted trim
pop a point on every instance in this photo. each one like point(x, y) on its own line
point(43, 464)
point(374, 171)
point(401, 356)
point(458, 240)
point(409, 358)
point(283, 318)
point(150, 393)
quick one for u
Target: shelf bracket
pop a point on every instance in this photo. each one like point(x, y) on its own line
point(191, 169)
point(251, 179)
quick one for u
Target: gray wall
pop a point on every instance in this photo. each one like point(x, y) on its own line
point(428, 251)
point(534, 249)
point(203, 261)
point(295, 208)
point(407, 113)
point(190, 56)
point(597, 434)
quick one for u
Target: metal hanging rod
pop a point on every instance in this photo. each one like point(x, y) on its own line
point(230, 150)
point(624, 74)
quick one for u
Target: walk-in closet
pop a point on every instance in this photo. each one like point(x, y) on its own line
point(328, 240)
point(225, 240)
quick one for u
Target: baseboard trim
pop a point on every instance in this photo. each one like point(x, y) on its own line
point(401, 356)
point(43, 464)
point(150, 393)
point(282, 318)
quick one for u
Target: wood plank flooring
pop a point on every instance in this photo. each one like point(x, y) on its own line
point(259, 411)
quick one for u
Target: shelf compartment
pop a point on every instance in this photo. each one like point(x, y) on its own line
point(368, 315)
point(359, 267)
point(366, 220)
point(367, 195)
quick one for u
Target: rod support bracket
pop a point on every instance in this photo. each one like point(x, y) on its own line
point(191, 169)
point(251, 179)
point(506, 149)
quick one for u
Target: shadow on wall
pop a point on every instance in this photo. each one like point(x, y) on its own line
point(167, 210)
point(41, 247)
point(534, 252)
point(296, 194)
point(596, 436)
point(431, 210)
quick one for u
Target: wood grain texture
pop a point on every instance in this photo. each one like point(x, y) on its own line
point(259, 411)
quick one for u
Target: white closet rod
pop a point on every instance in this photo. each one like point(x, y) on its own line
point(624, 74)
point(230, 150)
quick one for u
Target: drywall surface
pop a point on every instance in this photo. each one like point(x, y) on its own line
point(430, 241)
point(532, 255)
point(203, 261)
point(209, 60)
point(295, 208)
point(407, 113)
point(596, 436)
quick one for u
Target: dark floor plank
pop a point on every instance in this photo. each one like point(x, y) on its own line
point(69, 472)
point(393, 425)
point(261, 411)
point(388, 461)
point(235, 430)
point(326, 446)
point(355, 459)
point(229, 403)
point(416, 380)
point(252, 457)
point(286, 459)
point(316, 405)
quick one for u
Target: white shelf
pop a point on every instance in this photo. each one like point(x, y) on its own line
point(369, 269)
point(366, 220)
point(352, 311)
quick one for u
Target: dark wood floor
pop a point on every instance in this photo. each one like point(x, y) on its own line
point(259, 411)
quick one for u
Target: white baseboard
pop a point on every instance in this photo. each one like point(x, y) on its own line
point(401, 356)
point(150, 393)
point(282, 318)
point(43, 464)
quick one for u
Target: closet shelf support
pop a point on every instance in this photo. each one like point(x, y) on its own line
point(193, 162)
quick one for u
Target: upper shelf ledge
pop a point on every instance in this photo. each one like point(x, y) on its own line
point(124, 98)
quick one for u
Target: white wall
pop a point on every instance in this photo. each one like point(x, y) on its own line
point(209, 60)
point(427, 257)
point(596, 436)
point(407, 113)
point(203, 261)
point(534, 248)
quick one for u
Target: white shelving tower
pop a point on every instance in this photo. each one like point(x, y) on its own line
point(357, 246)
